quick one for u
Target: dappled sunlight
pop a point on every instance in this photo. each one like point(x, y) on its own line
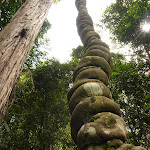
point(145, 27)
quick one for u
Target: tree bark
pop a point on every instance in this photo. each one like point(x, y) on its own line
point(16, 41)
point(147, 51)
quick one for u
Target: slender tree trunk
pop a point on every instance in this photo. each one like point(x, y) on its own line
point(16, 41)
point(51, 147)
point(147, 51)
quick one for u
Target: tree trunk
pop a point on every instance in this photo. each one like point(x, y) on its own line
point(51, 147)
point(147, 51)
point(16, 41)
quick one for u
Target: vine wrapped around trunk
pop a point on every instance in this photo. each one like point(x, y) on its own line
point(96, 122)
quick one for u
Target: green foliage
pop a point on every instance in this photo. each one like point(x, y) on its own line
point(39, 114)
point(7, 10)
point(66, 142)
point(36, 55)
point(77, 53)
point(130, 80)
point(130, 88)
point(56, 1)
point(124, 19)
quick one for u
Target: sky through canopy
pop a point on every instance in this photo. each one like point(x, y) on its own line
point(63, 34)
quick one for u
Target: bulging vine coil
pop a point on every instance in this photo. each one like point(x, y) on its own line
point(96, 122)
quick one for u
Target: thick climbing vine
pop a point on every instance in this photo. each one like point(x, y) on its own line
point(96, 122)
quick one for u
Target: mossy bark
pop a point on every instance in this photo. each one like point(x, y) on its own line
point(96, 122)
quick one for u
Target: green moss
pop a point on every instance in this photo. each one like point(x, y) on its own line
point(91, 72)
point(77, 84)
point(94, 61)
point(138, 148)
point(97, 42)
point(100, 47)
point(96, 147)
point(115, 143)
point(83, 18)
point(79, 3)
point(84, 111)
point(125, 147)
point(89, 36)
point(85, 30)
point(100, 53)
point(111, 148)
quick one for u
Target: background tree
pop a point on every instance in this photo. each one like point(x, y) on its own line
point(78, 52)
point(130, 80)
point(36, 55)
point(39, 115)
point(16, 41)
point(7, 10)
point(125, 19)
point(19, 130)
point(130, 87)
